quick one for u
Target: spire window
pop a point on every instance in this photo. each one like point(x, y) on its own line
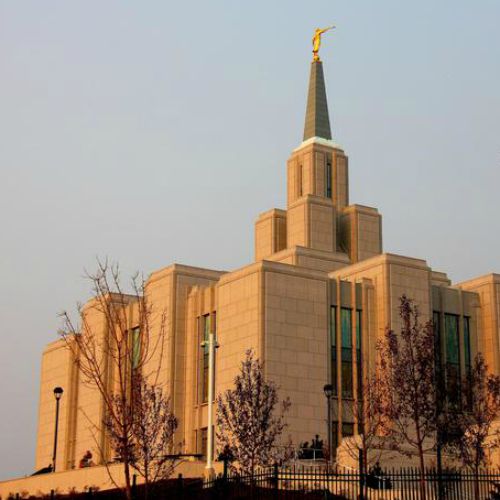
point(328, 180)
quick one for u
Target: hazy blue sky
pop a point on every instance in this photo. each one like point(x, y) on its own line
point(156, 131)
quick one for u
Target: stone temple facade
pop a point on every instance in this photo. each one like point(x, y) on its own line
point(312, 305)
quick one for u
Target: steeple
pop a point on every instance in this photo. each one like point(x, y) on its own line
point(317, 122)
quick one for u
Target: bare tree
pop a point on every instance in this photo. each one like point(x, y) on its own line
point(112, 343)
point(481, 407)
point(406, 363)
point(250, 418)
point(373, 424)
point(153, 428)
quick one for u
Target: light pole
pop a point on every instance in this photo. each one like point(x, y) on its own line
point(328, 390)
point(58, 392)
point(212, 345)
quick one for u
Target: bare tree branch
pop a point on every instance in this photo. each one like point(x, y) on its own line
point(113, 344)
point(407, 366)
point(247, 424)
point(479, 435)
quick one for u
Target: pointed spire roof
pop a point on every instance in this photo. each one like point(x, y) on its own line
point(317, 122)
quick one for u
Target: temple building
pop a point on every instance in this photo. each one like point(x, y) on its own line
point(312, 305)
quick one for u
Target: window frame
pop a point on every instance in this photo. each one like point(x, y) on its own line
point(333, 348)
point(328, 180)
point(346, 359)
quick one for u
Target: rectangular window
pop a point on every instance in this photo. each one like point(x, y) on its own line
point(467, 356)
point(335, 438)
point(347, 429)
point(358, 354)
point(438, 369)
point(452, 339)
point(437, 338)
point(299, 181)
point(333, 326)
point(346, 349)
point(203, 441)
point(328, 180)
point(345, 318)
point(347, 388)
point(333, 340)
point(214, 323)
point(467, 351)
point(453, 383)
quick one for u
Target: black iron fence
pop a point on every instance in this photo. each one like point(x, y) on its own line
point(340, 483)
point(316, 483)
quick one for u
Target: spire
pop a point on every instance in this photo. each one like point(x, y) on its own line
point(317, 122)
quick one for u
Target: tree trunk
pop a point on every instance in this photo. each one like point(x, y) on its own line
point(423, 495)
point(252, 470)
point(128, 487)
point(363, 473)
point(146, 479)
point(476, 482)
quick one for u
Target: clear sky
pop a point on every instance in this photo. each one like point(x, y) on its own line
point(155, 132)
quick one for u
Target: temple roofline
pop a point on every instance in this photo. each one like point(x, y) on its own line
point(321, 141)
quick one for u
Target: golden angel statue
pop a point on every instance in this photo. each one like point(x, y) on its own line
point(316, 41)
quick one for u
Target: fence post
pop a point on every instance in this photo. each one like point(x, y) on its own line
point(275, 480)
point(134, 486)
point(180, 486)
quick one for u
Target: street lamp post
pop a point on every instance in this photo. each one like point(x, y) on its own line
point(328, 390)
point(58, 392)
